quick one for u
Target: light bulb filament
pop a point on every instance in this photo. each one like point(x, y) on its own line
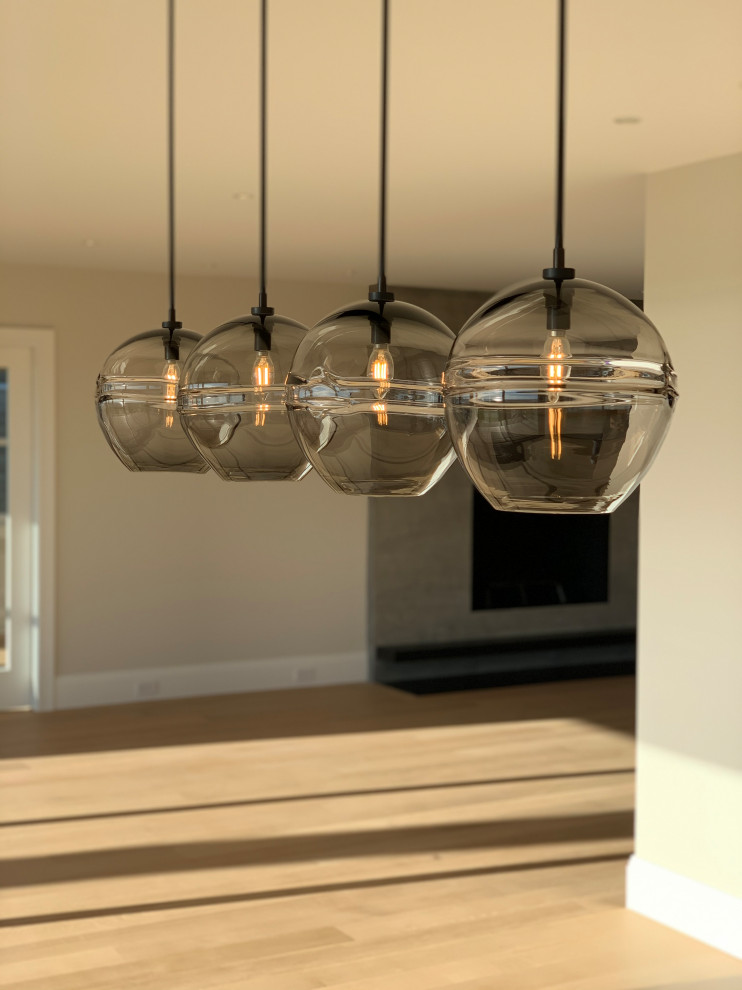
point(263, 371)
point(556, 350)
point(382, 417)
point(555, 433)
point(380, 367)
point(172, 377)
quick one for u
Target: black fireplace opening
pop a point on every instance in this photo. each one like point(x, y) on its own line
point(526, 559)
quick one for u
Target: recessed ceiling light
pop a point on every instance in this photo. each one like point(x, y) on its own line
point(627, 120)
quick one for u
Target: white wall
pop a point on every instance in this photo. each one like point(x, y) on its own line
point(175, 571)
point(689, 810)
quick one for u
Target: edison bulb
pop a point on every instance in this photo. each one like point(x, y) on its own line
point(172, 377)
point(381, 369)
point(381, 365)
point(263, 376)
point(263, 371)
point(557, 352)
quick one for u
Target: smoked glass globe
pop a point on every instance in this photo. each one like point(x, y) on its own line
point(136, 399)
point(365, 397)
point(232, 400)
point(558, 400)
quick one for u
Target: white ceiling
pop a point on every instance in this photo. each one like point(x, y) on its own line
point(471, 132)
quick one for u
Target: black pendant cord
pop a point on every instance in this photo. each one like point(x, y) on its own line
point(379, 292)
point(558, 273)
point(171, 323)
point(263, 310)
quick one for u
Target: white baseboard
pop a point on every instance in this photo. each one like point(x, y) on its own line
point(191, 680)
point(692, 908)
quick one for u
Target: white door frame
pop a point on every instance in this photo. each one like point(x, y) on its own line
point(39, 344)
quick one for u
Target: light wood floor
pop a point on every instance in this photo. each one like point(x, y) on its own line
point(351, 837)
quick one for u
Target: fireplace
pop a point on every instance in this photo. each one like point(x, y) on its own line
point(462, 595)
point(522, 560)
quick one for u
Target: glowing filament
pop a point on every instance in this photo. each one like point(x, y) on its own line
point(263, 371)
point(263, 376)
point(380, 367)
point(172, 377)
point(382, 417)
point(556, 350)
point(555, 433)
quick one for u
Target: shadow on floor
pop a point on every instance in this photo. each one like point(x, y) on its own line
point(608, 702)
point(511, 833)
point(328, 888)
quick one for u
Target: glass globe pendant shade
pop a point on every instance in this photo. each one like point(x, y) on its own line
point(136, 400)
point(558, 401)
point(232, 400)
point(365, 398)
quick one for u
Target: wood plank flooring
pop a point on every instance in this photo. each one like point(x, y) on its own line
point(351, 837)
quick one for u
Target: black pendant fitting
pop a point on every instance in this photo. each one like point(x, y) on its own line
point(381, 329)
point(558, 315)
point(263, 310)
point(172, 343)
point(558, 274)
point(379, 294)
point(262, 333)
point(262, 337)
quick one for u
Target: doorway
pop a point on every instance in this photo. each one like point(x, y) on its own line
point(26, 518)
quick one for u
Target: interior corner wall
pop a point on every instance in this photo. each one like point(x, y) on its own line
point(689, 787)
point(214, 586)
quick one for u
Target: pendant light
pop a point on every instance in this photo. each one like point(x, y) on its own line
point(137, 388)
point(365, 391)
point(232, 392)
point(559, 391)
